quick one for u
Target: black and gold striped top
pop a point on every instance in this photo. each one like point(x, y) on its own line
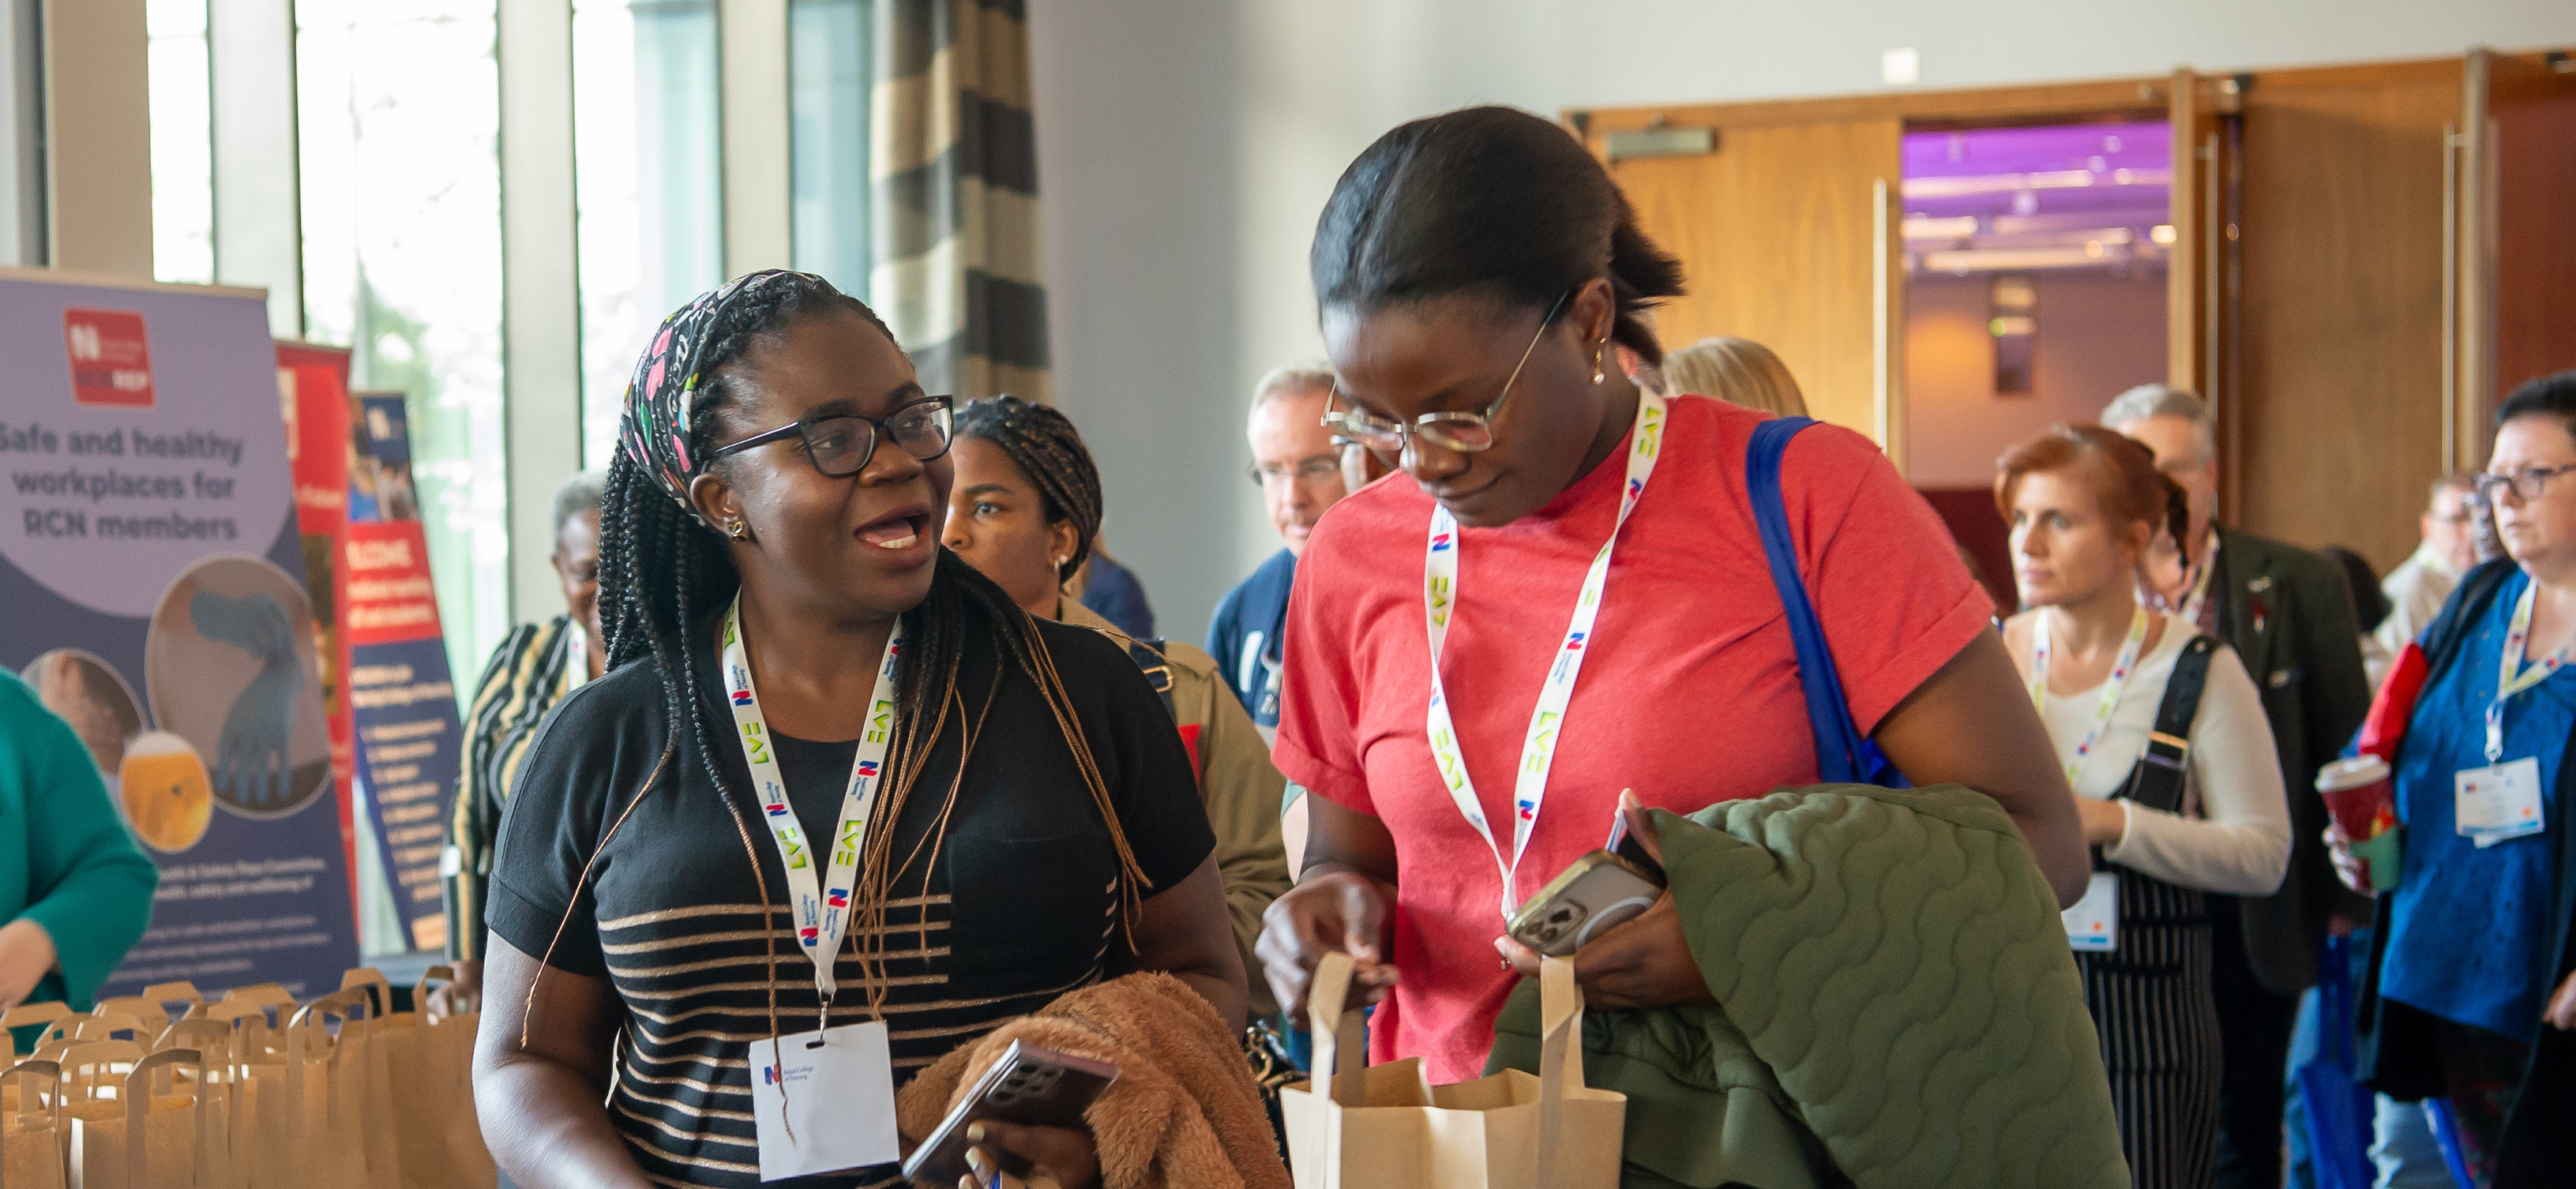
point(531, 671)
point(1006, 898)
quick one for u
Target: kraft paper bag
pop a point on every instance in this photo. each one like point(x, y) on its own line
point(385, 1033)
point(332, 1087)
point(1385, 1127)
point(436, 1133)
point(152, 1133)
point(218, 1085)
point(267, 1109)
point(31, 1140)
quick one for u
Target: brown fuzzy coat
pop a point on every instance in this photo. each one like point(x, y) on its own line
point(1184, 1112)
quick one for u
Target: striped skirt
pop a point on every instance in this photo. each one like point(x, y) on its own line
point(2151, 1007)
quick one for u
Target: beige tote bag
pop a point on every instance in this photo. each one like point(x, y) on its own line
point(1385, 1127)
point(332, 1069)
point(219, 1084)
point(151, 1134)
point(267, 1108)
point(435, 1129)
point(31, 1130)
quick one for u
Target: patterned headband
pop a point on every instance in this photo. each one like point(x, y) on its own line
point(654, 431)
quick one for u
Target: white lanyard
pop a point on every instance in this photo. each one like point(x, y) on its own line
point(2199, 597)
point(577, 647)
point(2515, 678)
point(822, 916)
point(2111, 689)
point(1538, 746)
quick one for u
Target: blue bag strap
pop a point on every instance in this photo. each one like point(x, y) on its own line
point(1843, 754)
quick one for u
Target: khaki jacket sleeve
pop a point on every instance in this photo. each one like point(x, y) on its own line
point(1243, 794)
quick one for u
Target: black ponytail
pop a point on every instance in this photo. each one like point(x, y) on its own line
point(1493, 199)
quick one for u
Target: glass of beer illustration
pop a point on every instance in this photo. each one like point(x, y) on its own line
point(167, 796)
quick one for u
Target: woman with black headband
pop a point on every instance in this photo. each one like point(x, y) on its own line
point(837, 808)
point(1025, 510)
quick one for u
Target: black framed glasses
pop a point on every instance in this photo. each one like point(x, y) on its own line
point(1466, 432)
point(2525, 483)
point(840, 444)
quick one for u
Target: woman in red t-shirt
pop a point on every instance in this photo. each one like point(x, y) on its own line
point(1473, 270)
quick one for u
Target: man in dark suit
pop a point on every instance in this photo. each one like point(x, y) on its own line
point(2289, 616)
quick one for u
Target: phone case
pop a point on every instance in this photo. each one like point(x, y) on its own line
point(1596, 892)
point(1029, 1085)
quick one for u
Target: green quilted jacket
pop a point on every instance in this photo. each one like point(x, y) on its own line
point(1898, 1006)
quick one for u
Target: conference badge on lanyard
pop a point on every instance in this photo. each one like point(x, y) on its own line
point(1547, 718)
point(2501, 802)
point(822, 1101)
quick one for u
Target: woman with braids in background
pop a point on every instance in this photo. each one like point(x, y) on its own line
point(1473, 271)
point(834, 778)
point(1025, 509)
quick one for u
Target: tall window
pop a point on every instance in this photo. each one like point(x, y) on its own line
point(398, 114)
point(649, 177)
point(831, 58)
point(183, 141)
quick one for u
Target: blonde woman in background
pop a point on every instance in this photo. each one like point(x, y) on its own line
point(1740, 371)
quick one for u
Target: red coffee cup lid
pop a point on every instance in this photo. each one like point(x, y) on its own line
point(2351, 774)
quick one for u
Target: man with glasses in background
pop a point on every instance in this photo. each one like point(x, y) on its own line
point(1299, 466)
point(2288, 614)
point(2418, 586)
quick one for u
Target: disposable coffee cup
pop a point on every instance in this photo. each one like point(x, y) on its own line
point(2359, 797)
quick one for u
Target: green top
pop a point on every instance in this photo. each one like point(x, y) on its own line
point(66, 859)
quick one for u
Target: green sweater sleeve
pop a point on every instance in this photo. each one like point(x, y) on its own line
point(88, 883)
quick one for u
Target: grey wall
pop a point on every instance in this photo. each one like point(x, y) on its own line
point(1185, 146)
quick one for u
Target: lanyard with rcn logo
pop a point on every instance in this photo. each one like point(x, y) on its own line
point(822, 914)
point(1538, 747)
point(2121, 668)
point(2515, 678)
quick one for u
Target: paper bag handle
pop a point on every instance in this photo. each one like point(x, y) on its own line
point(167, 993)
point(348, 1003)
point(1560, 1054)
point(382, 991)
point(138, 1105)
point(1339, 1031)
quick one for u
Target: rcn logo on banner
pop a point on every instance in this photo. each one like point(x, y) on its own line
point(769, 1074)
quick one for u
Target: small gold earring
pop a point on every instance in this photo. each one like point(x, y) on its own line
point(1596, 366)
point(739, 531)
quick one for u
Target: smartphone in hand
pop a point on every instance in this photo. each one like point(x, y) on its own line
point(1597, 892)
point(1030, 1086)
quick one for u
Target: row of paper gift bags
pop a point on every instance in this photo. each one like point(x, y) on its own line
point(250, 1091)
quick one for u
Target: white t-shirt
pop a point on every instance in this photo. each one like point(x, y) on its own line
point(2233, 832)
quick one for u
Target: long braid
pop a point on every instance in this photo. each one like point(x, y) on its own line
point(662, 568)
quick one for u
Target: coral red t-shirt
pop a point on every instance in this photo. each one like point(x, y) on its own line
point(1689, 693)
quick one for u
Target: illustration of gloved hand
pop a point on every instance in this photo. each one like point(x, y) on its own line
point(251, 764)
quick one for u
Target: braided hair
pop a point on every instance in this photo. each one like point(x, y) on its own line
point(661, 567)
point(1045, 445)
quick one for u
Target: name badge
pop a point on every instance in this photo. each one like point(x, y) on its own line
point(2093, 925)
point(824, 1101)
point(2497, 803)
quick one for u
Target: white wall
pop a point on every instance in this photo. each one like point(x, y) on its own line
point(1185, 147)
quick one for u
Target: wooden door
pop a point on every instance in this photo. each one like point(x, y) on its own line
point(2335, 323)
point(2516, 205)
point(1787, 234)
